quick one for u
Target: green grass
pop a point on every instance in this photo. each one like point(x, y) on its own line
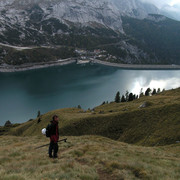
point(157, 124)
point(86, 158)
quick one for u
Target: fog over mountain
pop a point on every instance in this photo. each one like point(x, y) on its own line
point(170, 8)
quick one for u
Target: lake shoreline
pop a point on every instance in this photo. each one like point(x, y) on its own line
point(32, 66)
point(139, 66)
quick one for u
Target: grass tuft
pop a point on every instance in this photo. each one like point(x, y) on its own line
point(12, 177)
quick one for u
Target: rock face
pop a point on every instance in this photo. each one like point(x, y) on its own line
point(25, 18)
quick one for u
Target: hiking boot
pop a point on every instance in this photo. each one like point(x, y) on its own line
point(55, 156)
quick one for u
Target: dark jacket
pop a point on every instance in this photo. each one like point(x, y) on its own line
point(54, 132)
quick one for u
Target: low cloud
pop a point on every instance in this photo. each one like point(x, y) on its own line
point(171, 7)
point(161, 3)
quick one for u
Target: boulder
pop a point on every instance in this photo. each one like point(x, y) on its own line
point(145, 104)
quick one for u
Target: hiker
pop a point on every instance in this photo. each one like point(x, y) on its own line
point(54, 137)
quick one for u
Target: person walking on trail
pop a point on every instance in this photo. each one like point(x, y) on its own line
point(54, 137)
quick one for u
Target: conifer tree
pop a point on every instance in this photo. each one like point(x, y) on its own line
point(127, 95)
point(38, 114)
point(154, 92)
point(134, 97)
point(159, 90)
point(117, 98)
point(148, 92)
point(141, 93)
point(131, 98)
point(123, 99)
point(103, 103)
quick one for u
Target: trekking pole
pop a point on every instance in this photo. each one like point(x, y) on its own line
point(65, 140)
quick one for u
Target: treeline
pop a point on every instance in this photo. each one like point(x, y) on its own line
point(127, 97)
point(130, 96)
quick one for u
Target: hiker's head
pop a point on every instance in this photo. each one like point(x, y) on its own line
point(55, 118)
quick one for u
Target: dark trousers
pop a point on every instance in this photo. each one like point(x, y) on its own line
point(53, 147)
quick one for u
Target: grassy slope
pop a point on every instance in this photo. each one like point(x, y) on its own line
point(157, 124)
point(86, 158)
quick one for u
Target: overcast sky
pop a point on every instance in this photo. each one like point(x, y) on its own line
point(161, 3)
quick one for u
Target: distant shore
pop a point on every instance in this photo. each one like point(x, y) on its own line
point(139, 66)
point(31, 66)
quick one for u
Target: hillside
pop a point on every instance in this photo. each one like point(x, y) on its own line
point(156, 124)
point(17, 56)
point(156, 35)
point(86, 158)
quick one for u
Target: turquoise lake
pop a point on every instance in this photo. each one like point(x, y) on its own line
point(22, 94)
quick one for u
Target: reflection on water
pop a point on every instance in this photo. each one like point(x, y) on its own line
point(22, 94)
point(153, 79)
